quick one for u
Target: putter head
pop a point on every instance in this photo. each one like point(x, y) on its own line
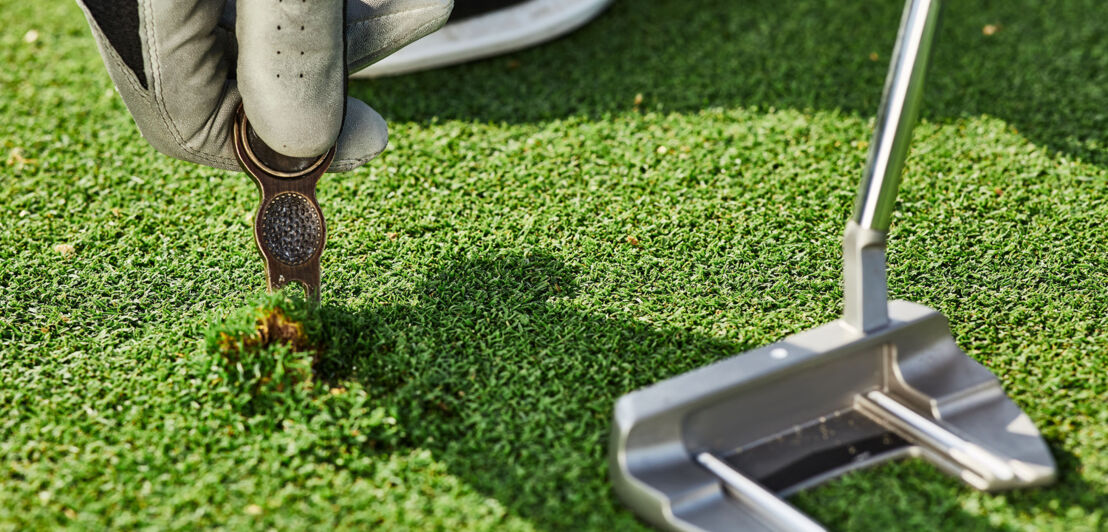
point(717, 448)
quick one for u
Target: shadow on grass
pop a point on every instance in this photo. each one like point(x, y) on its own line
point(1071, 492)
point(494, 370)
point(1043, 67)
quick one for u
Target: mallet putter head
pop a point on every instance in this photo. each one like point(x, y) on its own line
point(288, 228)
point(717, 448)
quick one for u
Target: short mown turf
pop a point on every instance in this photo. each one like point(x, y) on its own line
point(546, 232)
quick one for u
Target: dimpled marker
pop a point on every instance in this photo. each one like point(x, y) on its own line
point(291, 228)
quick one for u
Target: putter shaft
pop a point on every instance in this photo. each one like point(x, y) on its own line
point(896, 117)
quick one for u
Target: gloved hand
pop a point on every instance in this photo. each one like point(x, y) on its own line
point(181, 66)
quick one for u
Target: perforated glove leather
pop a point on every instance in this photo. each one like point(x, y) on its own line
point(182, 68)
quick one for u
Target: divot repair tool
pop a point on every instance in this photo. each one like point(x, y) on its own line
point(288, 227)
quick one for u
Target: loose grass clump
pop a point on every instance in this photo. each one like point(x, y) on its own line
point(263, 355)
point(262, 359)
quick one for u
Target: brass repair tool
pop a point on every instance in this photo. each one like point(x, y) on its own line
point(289, 227)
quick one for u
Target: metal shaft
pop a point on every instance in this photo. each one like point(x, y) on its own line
point(772, 508)
point(865, 290)
point(897, 115)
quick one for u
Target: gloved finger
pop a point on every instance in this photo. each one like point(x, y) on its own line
point(167, 61)
point(377, 28)
point(297, 114)
point(292, 73)
point(170, 62)
point(364, 136)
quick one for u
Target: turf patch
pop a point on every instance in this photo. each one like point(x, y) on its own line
point(536, 241)
point(261, 360)
point(263, 355)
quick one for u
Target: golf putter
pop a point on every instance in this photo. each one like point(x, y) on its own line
point(288, 227)
point(718, 448)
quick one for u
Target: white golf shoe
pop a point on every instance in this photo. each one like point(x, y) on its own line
point(484, 28)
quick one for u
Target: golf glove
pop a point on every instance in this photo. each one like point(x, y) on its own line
point(183, 66)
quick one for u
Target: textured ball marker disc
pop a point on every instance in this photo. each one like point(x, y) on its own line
point(291, 228)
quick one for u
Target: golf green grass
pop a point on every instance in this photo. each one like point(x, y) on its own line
point(546, 232)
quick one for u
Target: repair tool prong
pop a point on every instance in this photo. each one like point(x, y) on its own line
point(289, 228)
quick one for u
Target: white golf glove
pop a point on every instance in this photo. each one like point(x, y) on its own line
point(183, 66)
